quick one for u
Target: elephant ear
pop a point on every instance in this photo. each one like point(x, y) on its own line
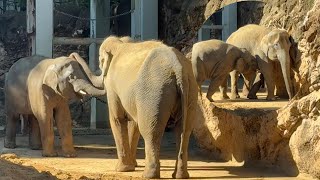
point(105, 63)
point(240, 65)
point(264, 44)
point(51, 79)
point(268, 41)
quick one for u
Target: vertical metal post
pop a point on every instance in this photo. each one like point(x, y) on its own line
point(149, 19)
point(44, 27)
point(229, 20)
point(92, 59)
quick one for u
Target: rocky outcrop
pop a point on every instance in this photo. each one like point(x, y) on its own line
point(288, 137)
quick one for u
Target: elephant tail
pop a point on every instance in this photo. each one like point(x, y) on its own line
point(183, 88)
point(186, 87)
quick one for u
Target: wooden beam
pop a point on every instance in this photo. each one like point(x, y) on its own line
point(76, 41)
point(31, 27)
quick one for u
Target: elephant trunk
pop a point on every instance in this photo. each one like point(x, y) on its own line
point(284, 59)
point(96, 80)
point(83, 87)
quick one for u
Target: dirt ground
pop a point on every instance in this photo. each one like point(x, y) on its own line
point(97, 157)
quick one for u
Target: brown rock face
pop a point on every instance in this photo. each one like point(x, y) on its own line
point(288, 137)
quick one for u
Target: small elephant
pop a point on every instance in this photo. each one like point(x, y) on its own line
point(39, 88)
point(214, 59)
point(267, 45)
point(146, 84)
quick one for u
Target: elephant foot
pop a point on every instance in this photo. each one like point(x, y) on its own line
point(180, 174)
point(10, 145)
point(210, 98)
point(49, 154)
point(35, 146)
point(124, 167)
point(252, 96)
point(68, 151)
point(271, 98)
point(234, 96)
point(223, 97)
point(152, 173)
point(70, 154)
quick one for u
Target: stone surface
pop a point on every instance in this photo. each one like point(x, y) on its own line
point(288, 137)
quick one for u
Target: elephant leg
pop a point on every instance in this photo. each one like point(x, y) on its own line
point(134, 135)
point(119, 126)
point(45, 120)
point(267, 74)
point(234, 84)
point(34, 135)
point(216, 81)
point(245, 87)
point(64, 124)
point(152, 121)
point(223, 89)
point(11, 127)
point(182, 143)
point(258, 82)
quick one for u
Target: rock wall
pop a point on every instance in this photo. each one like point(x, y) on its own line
point(288, 137)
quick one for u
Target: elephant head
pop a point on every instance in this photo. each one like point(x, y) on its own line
point(107, 49)
point(247, 65)
point(67, 78)
point(276, 45)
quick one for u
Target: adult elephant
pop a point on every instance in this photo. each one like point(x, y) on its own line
point(266, 45)
point(146, 84)
point(214, 59)
point(39, 88)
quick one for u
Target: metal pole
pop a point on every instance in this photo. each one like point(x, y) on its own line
point(92, 59)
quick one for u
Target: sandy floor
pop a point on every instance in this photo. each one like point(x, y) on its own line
point(97, 158)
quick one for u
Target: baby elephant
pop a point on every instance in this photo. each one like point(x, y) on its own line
point(214, 59)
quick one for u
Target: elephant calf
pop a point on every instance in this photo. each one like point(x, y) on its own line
point(214, 59)
point(147, 83)
point(36, 87)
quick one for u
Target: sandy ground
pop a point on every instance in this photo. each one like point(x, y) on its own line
point(97, 159)
point(97, 156)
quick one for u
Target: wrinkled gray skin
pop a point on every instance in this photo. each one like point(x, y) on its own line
point(147, 83)
point(266, 45)
point(214, 59)
point(39, 88)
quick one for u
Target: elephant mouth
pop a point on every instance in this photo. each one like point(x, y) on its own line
point(80, 95)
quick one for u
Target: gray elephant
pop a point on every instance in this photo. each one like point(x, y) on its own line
point(39, 88)
point(147, 83)
point(267, 45)
point(214, 59)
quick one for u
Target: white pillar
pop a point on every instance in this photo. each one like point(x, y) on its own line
point(44, 27)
